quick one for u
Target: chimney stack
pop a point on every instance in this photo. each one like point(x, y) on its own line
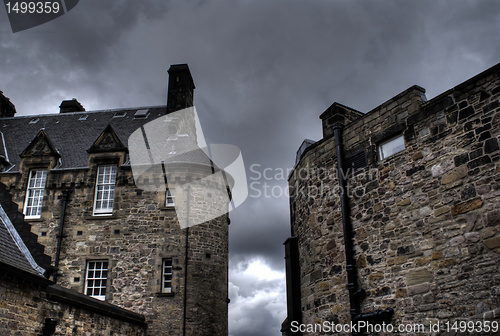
point(7, 109)
point(181, 87)
point(72, 105)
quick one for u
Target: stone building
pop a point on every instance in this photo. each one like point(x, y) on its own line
point(31, 304)
point(109, 237)
point(395, 214)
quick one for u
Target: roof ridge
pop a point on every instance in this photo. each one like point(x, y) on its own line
point(84, 112)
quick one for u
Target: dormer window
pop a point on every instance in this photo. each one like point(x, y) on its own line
point(105, 190)
point(35, 193)
point(391, 147)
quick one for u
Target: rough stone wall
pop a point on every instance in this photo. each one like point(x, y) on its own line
point(425, 220)
point(135, 239)
point(24, 306)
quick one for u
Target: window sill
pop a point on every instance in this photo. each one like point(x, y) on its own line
point(33, 219)
point(165, 294)
point(104, 217)
point(168, 208)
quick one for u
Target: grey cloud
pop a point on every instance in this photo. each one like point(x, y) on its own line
point(264, 72)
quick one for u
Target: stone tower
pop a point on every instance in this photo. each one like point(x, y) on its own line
point(395, 214)
point(112, 239)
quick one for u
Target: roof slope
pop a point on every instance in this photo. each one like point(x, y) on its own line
point(13, 251)
point(72, 134)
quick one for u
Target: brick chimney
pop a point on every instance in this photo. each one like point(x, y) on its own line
point(181, 87)
point(7, 109)
point(72, 105)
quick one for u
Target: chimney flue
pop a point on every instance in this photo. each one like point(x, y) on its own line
point(72, 105)
point(7, 109)
point(181, 87)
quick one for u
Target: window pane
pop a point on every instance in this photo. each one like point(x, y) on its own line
point(95, 284)
point(105, 189)
point(392, 147)
point(170, 197)
point(167, 275)
point(35, 193)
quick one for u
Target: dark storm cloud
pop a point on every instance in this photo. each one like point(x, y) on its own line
point(264, 72)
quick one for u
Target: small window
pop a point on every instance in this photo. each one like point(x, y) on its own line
point(141, 114)
point(120, 114)
point(35, 193)
point(391, 147)
point(96, 278)
point(105, 190)
point(170, 197)
point(166, 277)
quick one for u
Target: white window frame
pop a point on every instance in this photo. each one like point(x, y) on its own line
point(35, 192)
point(105, 190)
point(166, 275)
point(170, 197)
point(391, 147)
point(96, 276)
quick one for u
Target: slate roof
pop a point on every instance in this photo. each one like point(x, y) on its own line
point(13, 251)
point(72, 134)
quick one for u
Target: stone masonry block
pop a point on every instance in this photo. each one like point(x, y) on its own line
point(455, 175)
point(492, 242)
point(418, 277)
point(418, 289)
point(493, 218)
point(466, 206)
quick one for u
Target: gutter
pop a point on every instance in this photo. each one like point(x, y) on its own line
point(356, 294)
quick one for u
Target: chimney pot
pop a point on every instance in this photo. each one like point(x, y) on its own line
point(72, 105)
point(7, 109)
point(181, 87)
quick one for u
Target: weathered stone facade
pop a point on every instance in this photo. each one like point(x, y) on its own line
point(425, 219)
point(142, 229)
point(27, 303)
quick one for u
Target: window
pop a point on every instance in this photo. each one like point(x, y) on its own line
point(170, 197)
point(96, 277)
point(391, 147)
point(105, 190)
point(34, 193)
point(166, 277)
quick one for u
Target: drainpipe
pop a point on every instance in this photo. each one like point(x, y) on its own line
point(356, 294)
point(64, 198)
point(186, 265)
point(352, 278)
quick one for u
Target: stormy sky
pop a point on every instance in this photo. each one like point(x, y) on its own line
point(264, 71)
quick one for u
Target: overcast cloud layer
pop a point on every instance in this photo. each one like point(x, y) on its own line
point(264, 72)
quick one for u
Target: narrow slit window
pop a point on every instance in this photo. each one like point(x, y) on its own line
point(391, 147)
point(166, 281)
point(105, 190)
point(170, 197)
point(96, 279)
point(35, 193)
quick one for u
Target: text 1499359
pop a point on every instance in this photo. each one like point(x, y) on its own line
point(18, 7)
